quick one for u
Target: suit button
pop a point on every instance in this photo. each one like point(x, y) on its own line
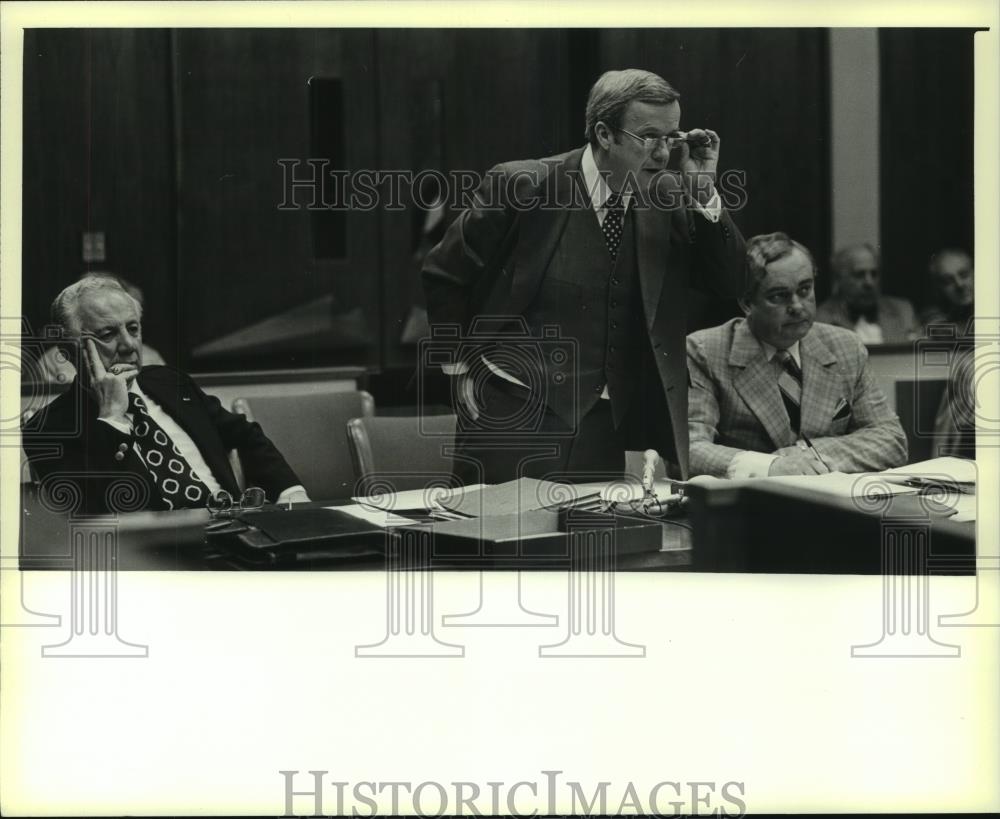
point(597, 388)
point(664, 352)
point(122, 447)
point(119, 456)
point(614, 303)
point(616, 280)
point(614, 325)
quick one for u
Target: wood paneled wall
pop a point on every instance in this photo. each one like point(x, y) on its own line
point(926, 152)
point(169, 142)
point(98, 156)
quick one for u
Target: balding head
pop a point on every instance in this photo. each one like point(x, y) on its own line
point(856, 275)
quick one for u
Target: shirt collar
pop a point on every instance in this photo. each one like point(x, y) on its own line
point(597, 185)
point(793, 351)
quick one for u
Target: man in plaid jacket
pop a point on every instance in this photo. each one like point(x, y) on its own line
point(777, 394)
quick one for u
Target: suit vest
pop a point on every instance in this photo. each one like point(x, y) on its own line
point(596, 303)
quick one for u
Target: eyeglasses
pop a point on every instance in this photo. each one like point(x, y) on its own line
point(664, 143)
point(783, 298)
point(221, 504)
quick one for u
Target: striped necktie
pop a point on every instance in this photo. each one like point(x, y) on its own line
point(790, 385)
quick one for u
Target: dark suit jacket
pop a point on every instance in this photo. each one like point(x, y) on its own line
point(89, 446)
point(494, 255)
point(735, 403)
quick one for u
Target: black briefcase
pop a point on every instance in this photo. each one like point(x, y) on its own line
point(294, 538)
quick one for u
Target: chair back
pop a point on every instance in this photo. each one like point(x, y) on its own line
point(409, 449)
point(310, 431)
point(917, 404)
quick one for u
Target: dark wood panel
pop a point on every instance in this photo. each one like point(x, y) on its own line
point(766, 92)
point(244, 104)
point(462, 99)
point(927, 100)
point(98, 156)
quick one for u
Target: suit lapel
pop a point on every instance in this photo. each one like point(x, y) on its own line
point(654, 233)
point(177, 400)
point(820, 385)
point(541, 229)
point(652, 250)
point(757, 385)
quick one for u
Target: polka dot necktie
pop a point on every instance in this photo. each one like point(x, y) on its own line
point(613, 219)
point(790, 384)
point(178, 484)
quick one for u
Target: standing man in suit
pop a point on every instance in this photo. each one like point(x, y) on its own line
point(588, 254)
point(857, 302)
point(776, 394)
point(154, 423)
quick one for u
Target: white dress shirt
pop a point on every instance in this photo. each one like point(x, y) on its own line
point(177, 436)
point(750, 464)
point(868, 331)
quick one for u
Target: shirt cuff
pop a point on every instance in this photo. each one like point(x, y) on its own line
point(288, 495)
point(712, 209)
point(120, 426)
point(455, 369)
point(749, 464)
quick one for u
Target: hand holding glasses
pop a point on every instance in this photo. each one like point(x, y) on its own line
point(670, 142)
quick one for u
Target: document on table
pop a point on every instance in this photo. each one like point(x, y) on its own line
point(415, 499)
point(960, 470)
point(842, 484)
point(379, 517)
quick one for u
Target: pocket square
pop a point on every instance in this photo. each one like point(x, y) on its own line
point(843, 409)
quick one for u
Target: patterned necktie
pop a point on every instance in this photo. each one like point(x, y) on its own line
point(790, 385)
point(179, 485)
point(613, 220)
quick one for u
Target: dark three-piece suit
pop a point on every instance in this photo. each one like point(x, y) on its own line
point(530, 251)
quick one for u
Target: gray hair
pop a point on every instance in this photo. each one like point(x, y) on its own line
point(764, 249)
point(66, 305)
point(838, 262)
point(934, 266)
point(614, 90)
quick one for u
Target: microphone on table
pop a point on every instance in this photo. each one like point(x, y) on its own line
point(649, 460)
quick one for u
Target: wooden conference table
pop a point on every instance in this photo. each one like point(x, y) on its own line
point(725, 528)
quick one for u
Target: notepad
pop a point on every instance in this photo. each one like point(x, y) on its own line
point(960, 470)
point(414, 499)
point(510, 498)
point(841, 484)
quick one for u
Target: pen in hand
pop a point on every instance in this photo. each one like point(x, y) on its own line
point(806, 445)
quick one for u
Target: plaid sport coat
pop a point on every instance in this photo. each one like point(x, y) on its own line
point(734, 403)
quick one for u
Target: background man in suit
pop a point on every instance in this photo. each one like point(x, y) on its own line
point(857, 302)
point(598, 245)
point(155, 423)
point(953, 284)
point(776, 394)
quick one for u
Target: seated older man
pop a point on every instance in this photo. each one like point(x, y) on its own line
point(776, 394)
point(857, 302)
point(153, 423)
